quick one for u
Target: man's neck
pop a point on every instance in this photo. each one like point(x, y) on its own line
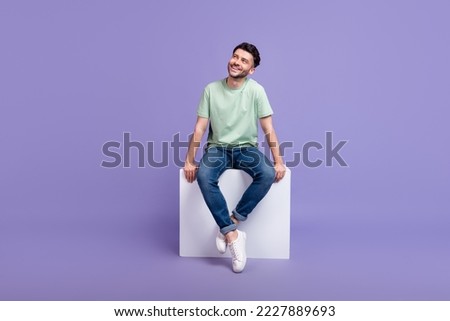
point(235, 83)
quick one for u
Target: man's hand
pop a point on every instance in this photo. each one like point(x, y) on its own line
point(280, 170)
point(190, 171)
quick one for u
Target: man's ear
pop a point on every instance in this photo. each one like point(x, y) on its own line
point(252, 70)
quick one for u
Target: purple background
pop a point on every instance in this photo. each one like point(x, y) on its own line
point(74, 75)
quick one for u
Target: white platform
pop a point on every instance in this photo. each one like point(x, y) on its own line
point(271, 217)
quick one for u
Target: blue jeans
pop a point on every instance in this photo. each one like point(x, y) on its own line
point(218, 159)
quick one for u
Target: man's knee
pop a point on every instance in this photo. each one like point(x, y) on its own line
point(271, 174)
point(267, 174)
point(202, 176)
point(206, 176)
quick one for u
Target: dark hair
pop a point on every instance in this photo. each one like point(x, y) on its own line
point(250, 49)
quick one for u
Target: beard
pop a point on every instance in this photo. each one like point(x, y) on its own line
point(240, 75)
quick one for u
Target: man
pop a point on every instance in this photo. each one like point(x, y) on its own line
point(232, 108)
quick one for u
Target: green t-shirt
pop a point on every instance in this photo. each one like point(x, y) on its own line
point(234, 113)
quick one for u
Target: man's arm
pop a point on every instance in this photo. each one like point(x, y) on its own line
point(190, 168)
point(272, 141)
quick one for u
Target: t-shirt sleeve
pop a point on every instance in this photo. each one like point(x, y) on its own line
point(203, 106)
point(263, 104)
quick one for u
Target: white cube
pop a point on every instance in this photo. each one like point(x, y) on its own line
point(267, 227)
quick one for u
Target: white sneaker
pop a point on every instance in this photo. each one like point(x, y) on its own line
point(221, 244)
point(237, 249)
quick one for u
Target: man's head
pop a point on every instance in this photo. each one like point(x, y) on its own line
point(251, 49)
point(244, 60)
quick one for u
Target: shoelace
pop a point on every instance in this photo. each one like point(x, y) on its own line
point(235, 252)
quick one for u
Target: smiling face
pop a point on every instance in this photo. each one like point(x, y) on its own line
point(241, 64)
